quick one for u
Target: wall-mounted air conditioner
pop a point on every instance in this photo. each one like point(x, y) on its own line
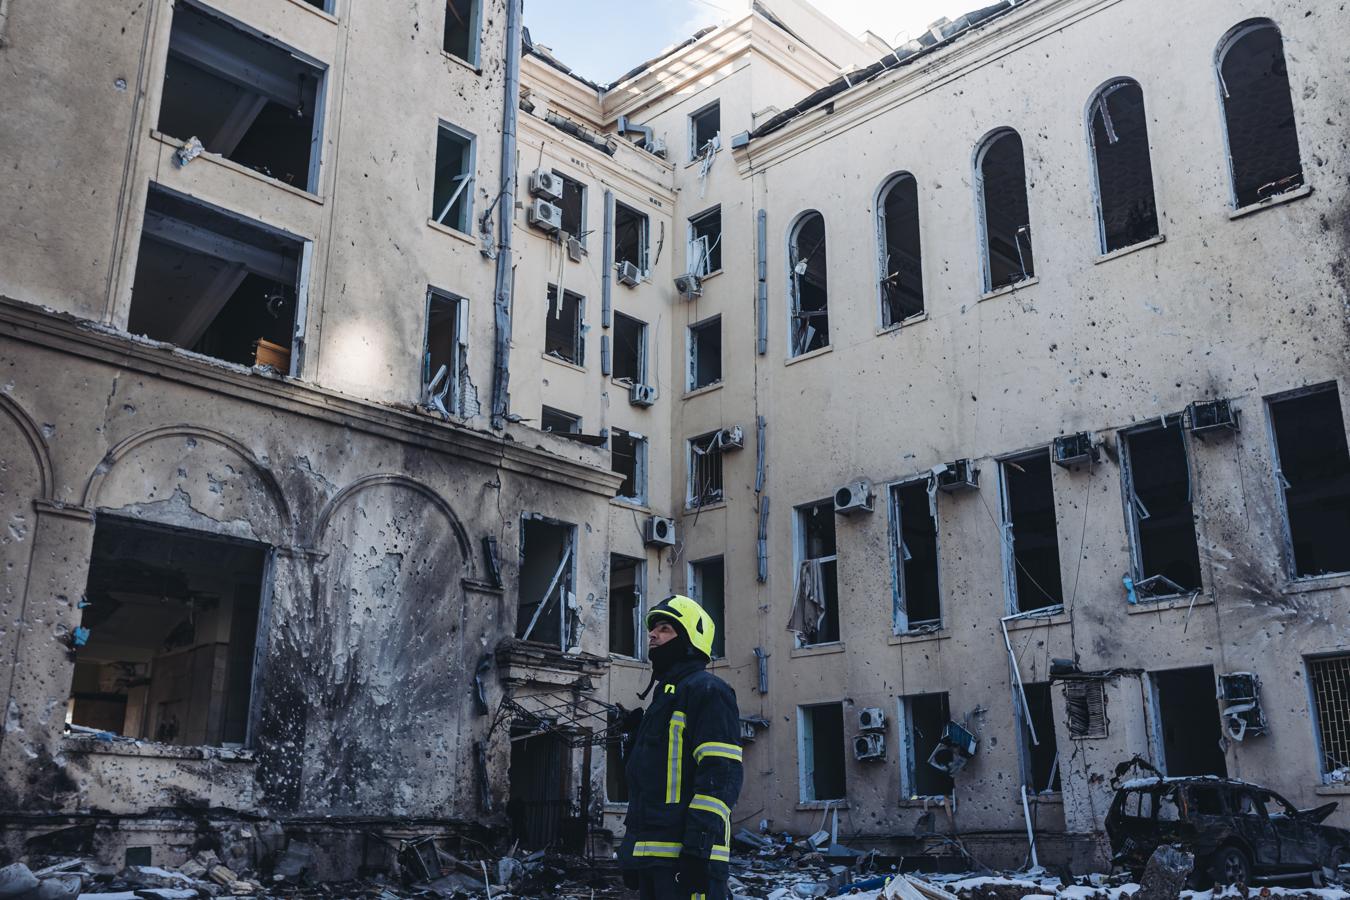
point(1204, 416)
point(690, 286)
point(629, 274)
point(869, 747)
point(546, 184)
point(958, 475)
point(854, 497)
point(545, 216)
point(658, 531)
point(732, 438)
point(1241, 714)
point(1074, 449)
point(871, 718)
point(642, 394)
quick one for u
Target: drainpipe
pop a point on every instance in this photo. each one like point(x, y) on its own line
point(501, 302)
point(4, 20)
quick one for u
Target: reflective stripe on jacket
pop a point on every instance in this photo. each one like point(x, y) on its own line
point(684, 772)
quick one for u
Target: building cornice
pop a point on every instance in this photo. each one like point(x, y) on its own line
point(620, 170)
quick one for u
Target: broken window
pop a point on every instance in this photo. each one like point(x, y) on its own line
point(1312, 466)
point(217, 284)
point(1030, 534)
point(556, 420)
point(923, 717)
point(1329, 677)
point(1126, 211)
point(573, 207)
point(707, 585)
point(1157, 484)
point(915, 535)
point(172, 619)
point(1040, 759)
point(546, 606)
point(630, 349)
point(1006, 231)
point(461, 29)
point(625, 607)
point(246, 98)
point(705, 242)
point(705, 353)
point(323, 5)
point(705, 470)
point(1258, 113)
point(815, 609)
point(563, 334)
point(630, 237)
point(1085, 708)
point(820, 752)
point(616, 780)
point(452, 191)
point(443, 358)
point(809, 326)
point(1188, 720)
point(628, 457)
point(704, 127)
point(901, 263)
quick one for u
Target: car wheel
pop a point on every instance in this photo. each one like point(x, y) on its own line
point(1229, 865)
point(1332, 872)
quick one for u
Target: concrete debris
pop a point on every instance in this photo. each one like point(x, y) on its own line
point(1166, 873)
point(16, 880)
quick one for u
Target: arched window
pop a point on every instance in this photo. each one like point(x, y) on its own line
point(1118, 129)
point(1005, 227)
point(1258, 113)
point(808, 299)
point(898, 248)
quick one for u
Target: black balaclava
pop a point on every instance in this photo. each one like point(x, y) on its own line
point(669, 653)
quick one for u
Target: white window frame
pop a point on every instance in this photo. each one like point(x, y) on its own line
point(640, 587)
point(693, 126)
point(585, 192)
point(475, 34)
point(883, 192)
point(806, 739)
point(642, 348)
point(465, 189)
point(899, 613)
point(793, 294)
point(459, 356)
point(690, 501)
point(693, 577)
point(690, 346)
point(640, 450)
point(699, 249)
point(644, 242)
point(1008, 540)
point(799, 531)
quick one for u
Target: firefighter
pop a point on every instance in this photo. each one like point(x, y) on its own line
point(684, 767)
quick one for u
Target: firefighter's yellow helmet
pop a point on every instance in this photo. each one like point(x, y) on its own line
point(691, 618)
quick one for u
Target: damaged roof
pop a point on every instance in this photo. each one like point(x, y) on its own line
point(538, 50)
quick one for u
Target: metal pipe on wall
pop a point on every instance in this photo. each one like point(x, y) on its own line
point(506, 213)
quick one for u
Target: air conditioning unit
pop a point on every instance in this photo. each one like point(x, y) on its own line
point(1211, 415)
point(854, 497)
point(690, 286)
point(1241, 714)
point(657, 147)
point(869, 747)
point(958, 475)
point(747, 731)
point(732, 438)
point(642, 394)
point(629, 274)
point(545, 216)
point(546, 184)
point(1074, 449)
point(871, 718)
point(954, 749)
point(658, 531)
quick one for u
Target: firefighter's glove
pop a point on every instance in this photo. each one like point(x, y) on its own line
point(693, 873)
point(631, 879)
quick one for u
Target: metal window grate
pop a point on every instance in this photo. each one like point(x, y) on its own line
point(1085, 704)
point(1331, 692)
point(705, 470)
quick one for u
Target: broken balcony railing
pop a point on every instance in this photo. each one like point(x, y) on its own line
point(568, 713)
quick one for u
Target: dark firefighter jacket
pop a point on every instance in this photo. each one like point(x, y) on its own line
point(684, 772)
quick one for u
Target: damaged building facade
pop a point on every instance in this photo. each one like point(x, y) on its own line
point(987, 390)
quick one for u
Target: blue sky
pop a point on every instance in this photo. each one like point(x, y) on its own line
point(602, 39)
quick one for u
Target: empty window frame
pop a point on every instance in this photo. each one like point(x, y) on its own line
point(1005, 220)
point(705, 242)
point(899, 253)
point(1329, 684)
point(820, 752)
point(1085, 708)
point(218, 284)
point(705, 353)
point(705, 470)
point(1157, 484)
point(1040, 759)
point(322, 5)
point(461, 29)
point(551, 419)
point(914, 544)
point(1118, 132)
point(1258, 112)
point(630, 349)
point(815, 611)
point(631, 235)
point(173, 623)
point(704, 127)
point(626, 633)
point(808, 294)
point(573, 207)
point(563, 337)
point(452, 187)
point(1312, 468)
point(446, 349)
point(546, 609)
point(628, 457)
point(1031, 538)
point(1186, 716)
point(243, 96)
point(707, 585)
point(922, 719)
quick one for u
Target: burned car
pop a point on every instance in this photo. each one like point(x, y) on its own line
point(1238, 832)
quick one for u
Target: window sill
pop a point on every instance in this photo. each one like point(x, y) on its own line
point(327, 16)
point(817, 650)
point(453, 232)
point(461, 61)
point(819, 351)
point(1160, 604)
point(1297, 193)
point(1126, 251)
point(919, 801)
point(1047, 797)
point(626, 662)
point(912, 320)
point(1332, 582)
point(700, 391)
point(88, 743)
point(231, 165)
point(717, 504)
point(1058, 617)
point(912, 638)
point(709, 276)
point(1332, 790)
point(806, 805)
point(629, 503)
point(1010, 288)
point(562, 362)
